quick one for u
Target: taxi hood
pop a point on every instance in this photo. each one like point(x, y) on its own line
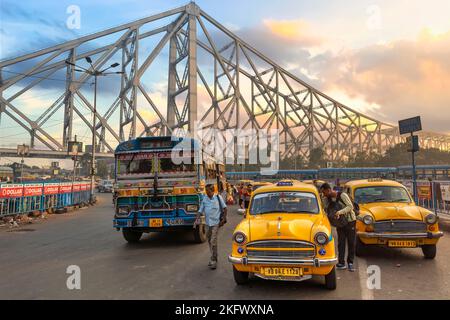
point(282, 226)
point(387, 211)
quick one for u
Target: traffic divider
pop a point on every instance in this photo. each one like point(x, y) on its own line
point(25, 198)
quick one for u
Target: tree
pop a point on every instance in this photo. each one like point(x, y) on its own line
point(317, 158)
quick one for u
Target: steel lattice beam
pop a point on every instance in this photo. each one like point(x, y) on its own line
point(244, 89)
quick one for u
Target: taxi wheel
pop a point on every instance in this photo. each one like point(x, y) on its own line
point(240, 277)
point(359, 247)
point(200, 234)
point(429, 251)
point(131, 236)
point(330, 280)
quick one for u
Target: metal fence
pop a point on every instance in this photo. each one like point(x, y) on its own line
point(433, 195)
point(25, 198)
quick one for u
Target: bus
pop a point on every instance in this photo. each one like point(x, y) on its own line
point(154, 194)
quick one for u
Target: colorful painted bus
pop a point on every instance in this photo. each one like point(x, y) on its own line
point(155, 192)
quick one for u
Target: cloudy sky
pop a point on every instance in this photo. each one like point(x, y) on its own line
point(389, 59)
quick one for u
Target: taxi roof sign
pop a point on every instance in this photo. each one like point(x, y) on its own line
point(285, 184)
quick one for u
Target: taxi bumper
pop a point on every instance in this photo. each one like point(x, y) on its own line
point(316, 262)
point(425, 235)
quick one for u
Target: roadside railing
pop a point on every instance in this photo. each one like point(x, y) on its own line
point(16, 199)
point(433, 195)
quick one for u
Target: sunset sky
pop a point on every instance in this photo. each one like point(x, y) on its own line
point(389, 59)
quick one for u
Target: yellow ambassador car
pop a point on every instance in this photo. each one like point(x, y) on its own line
point(285, 235)
point(389, 217)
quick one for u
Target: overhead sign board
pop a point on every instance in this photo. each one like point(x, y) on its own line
point(413, 143)
point(410, 125)
point(74, 147)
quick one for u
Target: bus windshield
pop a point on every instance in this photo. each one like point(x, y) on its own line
point(145, 164)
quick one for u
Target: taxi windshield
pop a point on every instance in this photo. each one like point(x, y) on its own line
point(284, 202)
point(381, 194)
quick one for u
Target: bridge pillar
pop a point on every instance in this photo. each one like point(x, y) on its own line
point(192, 65)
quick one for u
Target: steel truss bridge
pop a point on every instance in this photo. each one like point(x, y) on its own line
point(207, 74)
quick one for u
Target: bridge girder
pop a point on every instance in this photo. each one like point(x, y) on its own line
point(239, 87)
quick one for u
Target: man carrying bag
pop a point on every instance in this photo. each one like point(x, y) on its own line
point(341, 213)
point(215, 211)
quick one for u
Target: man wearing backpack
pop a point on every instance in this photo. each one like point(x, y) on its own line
point(344, 213)
point(215, 211)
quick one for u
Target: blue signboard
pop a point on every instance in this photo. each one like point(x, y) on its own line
point(410, 125)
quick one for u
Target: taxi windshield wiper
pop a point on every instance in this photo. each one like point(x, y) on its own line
point(380, 200)
point(400, 200)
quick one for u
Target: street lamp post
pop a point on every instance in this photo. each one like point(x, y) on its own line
point(95, 73)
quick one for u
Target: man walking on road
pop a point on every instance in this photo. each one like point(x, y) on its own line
point(347, 232)
point(215, 211)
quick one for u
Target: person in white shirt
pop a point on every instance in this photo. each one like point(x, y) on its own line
point(215, 211)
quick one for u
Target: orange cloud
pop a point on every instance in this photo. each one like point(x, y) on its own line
point(297, 31)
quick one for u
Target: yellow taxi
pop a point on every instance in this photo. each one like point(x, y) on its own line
point(389, 217)
point(259, 184)
point(285, 235)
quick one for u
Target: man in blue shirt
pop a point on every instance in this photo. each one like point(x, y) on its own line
point(211, 206)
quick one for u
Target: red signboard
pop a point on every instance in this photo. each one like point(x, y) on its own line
point(51, 188)
point(31, 190)
point(11, 190)
point(85, 187)
point(65, 187)
point(76, 187)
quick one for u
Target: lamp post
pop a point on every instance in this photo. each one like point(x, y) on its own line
point(95, 73)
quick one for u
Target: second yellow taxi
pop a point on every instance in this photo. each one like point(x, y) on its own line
point(389, 217)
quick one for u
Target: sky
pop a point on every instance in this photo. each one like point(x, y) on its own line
point(388, 59)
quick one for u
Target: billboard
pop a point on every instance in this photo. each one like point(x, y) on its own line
point(65, 187)
point(51, 188)
point(11, 190)
point(31, 190)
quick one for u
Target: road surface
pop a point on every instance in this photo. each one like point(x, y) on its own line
point(34, 260)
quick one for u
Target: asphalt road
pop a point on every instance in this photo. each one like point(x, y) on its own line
point(34, 259)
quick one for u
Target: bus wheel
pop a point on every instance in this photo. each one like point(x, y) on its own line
point(200, 234)
point(131, 236)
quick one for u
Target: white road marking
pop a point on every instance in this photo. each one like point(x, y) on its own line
point(366, 293)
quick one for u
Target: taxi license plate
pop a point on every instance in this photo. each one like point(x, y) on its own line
point(156, 223)
point(285, 272)
point(402, 244)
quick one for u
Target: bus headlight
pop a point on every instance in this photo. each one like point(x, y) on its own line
point(368, 220)
point(192, 207)
point(431, 218)
point(239, 237)
point(123, 211)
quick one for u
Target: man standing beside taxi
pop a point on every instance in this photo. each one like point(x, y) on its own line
point(346, 233)
point(215, 211)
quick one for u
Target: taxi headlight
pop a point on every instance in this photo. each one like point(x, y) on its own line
point(192, 207)
point(321, 238)
point(239, 237)
point(431, 218)
point(368, 220)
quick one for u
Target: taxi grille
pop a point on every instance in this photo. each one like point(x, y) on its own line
point(267, 249)
point(400, 226)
